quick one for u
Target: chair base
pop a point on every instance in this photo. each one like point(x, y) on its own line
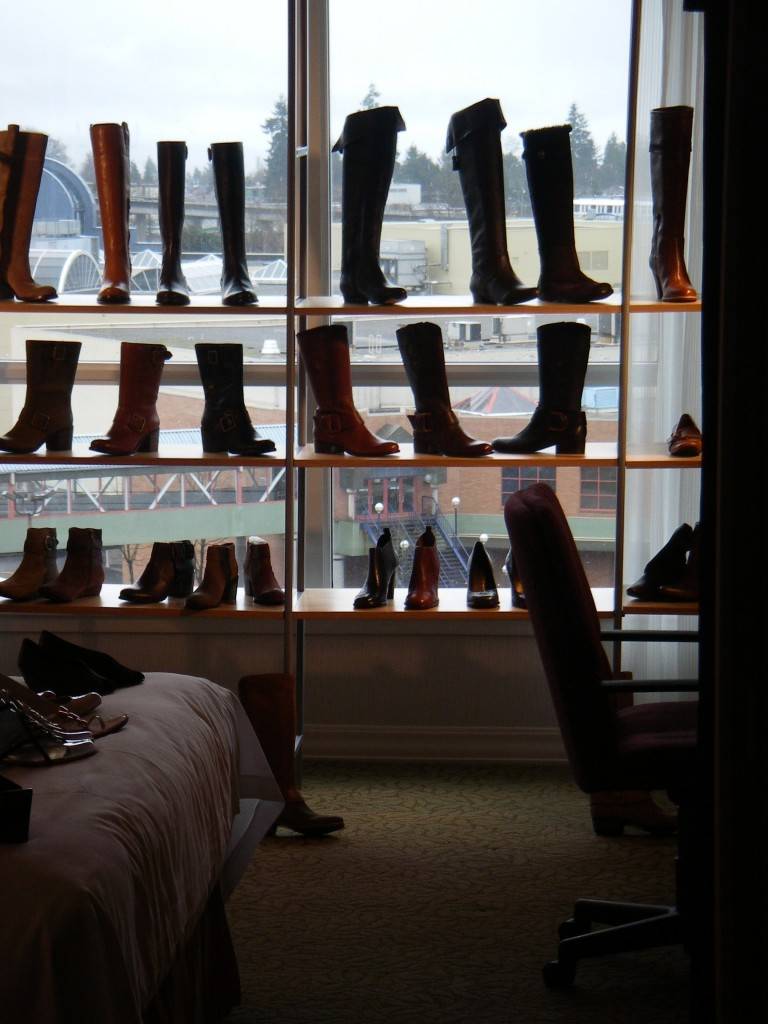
point(631, 926)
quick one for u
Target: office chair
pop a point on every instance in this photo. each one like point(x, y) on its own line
point(646, 746)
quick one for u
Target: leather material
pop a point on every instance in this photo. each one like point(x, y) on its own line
point(338, 426)
point(19, 201)
point(219, 582)
point(171, 174)
point(481, 586)
point(46, 417)
point(260, 580)
point(229, 183)
point(563, 356)
point(549, 170)
point(436, 428)
point(425, 574)
point(475, 134)
point(666, 568)
point(136, 425)
point(670, 149)
point(379, 586)
point(83, 572)
point(270, 702)
point(170, 572)
point(368, 143)
point(37, 566)
point(104, 665)
point(686, 587)
point(226, 425)
point(685, 441)
point(110, 144)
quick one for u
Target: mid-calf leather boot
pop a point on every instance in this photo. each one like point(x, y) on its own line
point(338, 425)
point(170, 572)
point(37, 566)
point(112, 672)
point(83, 571)
point(563, 354)
point(171, 175)
point(368, 144)
point(436, 428)
point(226, 425)
point(425, 574)
point(136, 426)
point(481, 586)
point(219, 582)
point(666, 568)
point(379, 586)
point(260, 580)
point(474, 135)
point(229, 183)
point(670, 148)
point(46, 416)
point(110, 144)
point(270, 703)
point(549, 170)
point(22, 185)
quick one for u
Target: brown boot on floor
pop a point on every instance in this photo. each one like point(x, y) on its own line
point(270, 703)
point(612, 810)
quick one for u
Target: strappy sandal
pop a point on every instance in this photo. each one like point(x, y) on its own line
point(81, 706)
point(99, 726)
point(29, 738)
point(55, 714)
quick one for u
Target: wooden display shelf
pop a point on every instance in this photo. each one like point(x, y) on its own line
point(658, 457)
point(169, 455)
point(449, 305)
point(598, 453)
point(108, 604)
point(337, 603)
point(144, 302)
point(635, 606)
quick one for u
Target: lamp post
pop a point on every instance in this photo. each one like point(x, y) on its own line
point(404, 545)
point(483, 538)
point(378, 508)
point(456, 501)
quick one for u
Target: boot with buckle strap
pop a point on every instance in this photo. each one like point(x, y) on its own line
point(47, 413)
point(226, 425)
point(37, 566)
point(136, 426)
point(83, 571)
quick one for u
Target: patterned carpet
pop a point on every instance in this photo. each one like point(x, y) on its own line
point(440, 901)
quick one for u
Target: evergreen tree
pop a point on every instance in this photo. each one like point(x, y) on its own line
point(448, 184)
point(371, 98)
point(150, 172)
point(135, 174)
point(275, 176)
point(612, 167)
point(583, 154)
point(419, 169)
point(517, 200)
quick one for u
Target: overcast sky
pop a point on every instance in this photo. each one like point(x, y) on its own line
point(209, 73)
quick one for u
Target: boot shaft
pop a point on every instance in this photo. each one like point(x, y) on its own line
point(549, 171)
point(325, 353)
point(423, 355)
point(51, 367)
point(171, 174)
point(563, 355)
point(8, 139)
point(26, 172)
point(110, 144)
point(229, 185)
point(221, 372)
point(670, 157)
point(269, 701)
point(141, 369)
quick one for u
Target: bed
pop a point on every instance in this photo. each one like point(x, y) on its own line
point(113, 911)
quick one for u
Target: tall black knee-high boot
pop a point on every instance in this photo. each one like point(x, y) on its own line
point(368, 143)
point(671, 129)
point(475, 135)
point(549, 169)
point(171, 165)
point(229, 181)
point(563, 351)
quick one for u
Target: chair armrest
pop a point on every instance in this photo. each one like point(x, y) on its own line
point(650, 685)
point(672, 635)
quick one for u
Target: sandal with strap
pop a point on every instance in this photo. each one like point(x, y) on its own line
point(29, 738)
point(99, 726)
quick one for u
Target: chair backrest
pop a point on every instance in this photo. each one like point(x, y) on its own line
point(566, 626)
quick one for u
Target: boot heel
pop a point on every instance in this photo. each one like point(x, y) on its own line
point(182, 586)
point(328, 448)
point(571, 447)
point(657, 282)
point(426, 447)
point(212, 442)
point(149, 442)
point(230, 592)
point(60, 441)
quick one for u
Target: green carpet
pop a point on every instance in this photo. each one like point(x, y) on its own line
point(440, 901)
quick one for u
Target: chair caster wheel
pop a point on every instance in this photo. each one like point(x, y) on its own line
point(571, 928)
point(557, 974)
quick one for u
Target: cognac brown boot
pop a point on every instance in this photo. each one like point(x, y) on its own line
point(270, 703)
point(260, 581)
point(171, 164)
point(339, 426)
point(425, 574)
point(83, 572)
point(47, 413)
point(670, 148)
point(111, 163)
point(219, 582)
point(612, 810)
point(136, 426)
point(436, 428)
point(37, 567)
point(23, 186)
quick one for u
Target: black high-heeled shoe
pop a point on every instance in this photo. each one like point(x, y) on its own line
point(481, 586)
point(379, 586)
point(101, 664)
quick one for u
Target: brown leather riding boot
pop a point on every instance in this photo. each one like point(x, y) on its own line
point(47, 412)
point(83, 572)
point(339, 426)
point(270, 703)
point(136, 426)
point(612, 810)
point(425, 574)
point(260, 581)
point(110, 145)
point(23, 185)
point(219, 582)
point(37, 566)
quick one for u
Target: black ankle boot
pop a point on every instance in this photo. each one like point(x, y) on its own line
point(379, 586)
point(226, 425)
